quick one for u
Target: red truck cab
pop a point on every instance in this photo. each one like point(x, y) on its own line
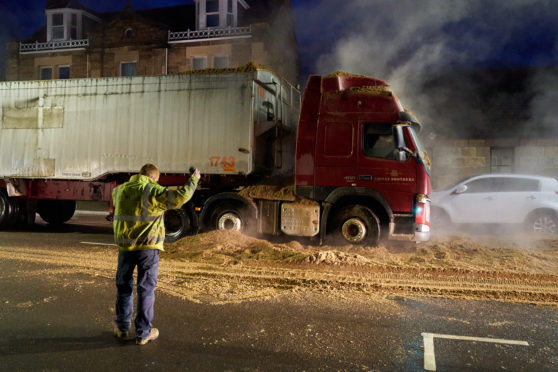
point(359, 155)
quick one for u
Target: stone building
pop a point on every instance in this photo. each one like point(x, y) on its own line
point(491, 121)
point(78, 42)
point(457, 159)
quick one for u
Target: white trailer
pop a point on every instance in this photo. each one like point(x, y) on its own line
point(86, 129)
point(63, 141)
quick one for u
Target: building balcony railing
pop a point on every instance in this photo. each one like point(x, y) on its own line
point(53, 45)
point(210, 33)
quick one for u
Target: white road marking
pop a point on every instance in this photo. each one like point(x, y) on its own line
point(430, 358)
point(93, 243)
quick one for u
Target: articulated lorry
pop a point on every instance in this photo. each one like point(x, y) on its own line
point(345, 162)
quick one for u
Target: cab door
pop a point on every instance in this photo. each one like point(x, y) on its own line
point(335, 153)
point(379, 169)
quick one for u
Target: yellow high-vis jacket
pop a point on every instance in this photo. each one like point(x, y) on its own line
point(139, 206)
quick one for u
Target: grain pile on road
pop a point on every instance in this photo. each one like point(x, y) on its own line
point(535, 255)
point(231, 247)
point(229, 267)
point(519, 270)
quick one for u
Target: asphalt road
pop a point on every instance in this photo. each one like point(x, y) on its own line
point(63, 322)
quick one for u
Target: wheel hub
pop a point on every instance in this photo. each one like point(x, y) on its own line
point(544, 224)
point(229, 221)
point(353, 230)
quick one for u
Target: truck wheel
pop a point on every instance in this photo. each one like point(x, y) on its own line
point(543, 222)
point(17, 210)
point(56, 212)
point(229, 216)
point(6, 210)
point(177, 224)
point(356, 224)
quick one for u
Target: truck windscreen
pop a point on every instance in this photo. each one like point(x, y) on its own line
point(420, 150)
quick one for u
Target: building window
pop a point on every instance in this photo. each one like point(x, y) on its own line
point(212, 6)
point(221, 62)
point(63, 72)
point(128, 33)
point(128, 69)
point(45, 73)
point(199, 63)
point(218, 13)
point(68, 23)
point(230, 14)
point(212, 13)
point(58, 26)
point(73, 27)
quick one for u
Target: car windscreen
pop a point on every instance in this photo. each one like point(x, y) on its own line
point(420, 150)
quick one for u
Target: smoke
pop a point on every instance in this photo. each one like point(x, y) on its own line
point(438, 56)
point(544, 111)
point(469, 69)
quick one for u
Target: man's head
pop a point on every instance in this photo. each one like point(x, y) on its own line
point(151, 171)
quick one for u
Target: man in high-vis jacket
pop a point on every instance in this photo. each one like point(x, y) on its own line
point(139, 232)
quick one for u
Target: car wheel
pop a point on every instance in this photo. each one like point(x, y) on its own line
point(543, 222)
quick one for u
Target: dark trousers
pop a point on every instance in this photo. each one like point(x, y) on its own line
point(147, 262)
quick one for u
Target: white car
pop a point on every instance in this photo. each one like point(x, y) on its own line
point(499, 199)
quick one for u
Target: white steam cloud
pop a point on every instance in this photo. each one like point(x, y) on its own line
point(407, 42)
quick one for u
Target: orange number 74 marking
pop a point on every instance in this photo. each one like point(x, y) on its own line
point(227, 162)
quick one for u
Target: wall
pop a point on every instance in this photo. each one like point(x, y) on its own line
point(26, 66)
point(454, 160)
point(272, 44)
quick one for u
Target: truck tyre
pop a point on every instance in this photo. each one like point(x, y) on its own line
point(56, 212)
point(543, 222)
point(6, 210)
point(177, 224)
point(17, 210)
point(230, 216)
point(356, 224)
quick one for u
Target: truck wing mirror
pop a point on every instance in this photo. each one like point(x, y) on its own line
point(401, 155)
